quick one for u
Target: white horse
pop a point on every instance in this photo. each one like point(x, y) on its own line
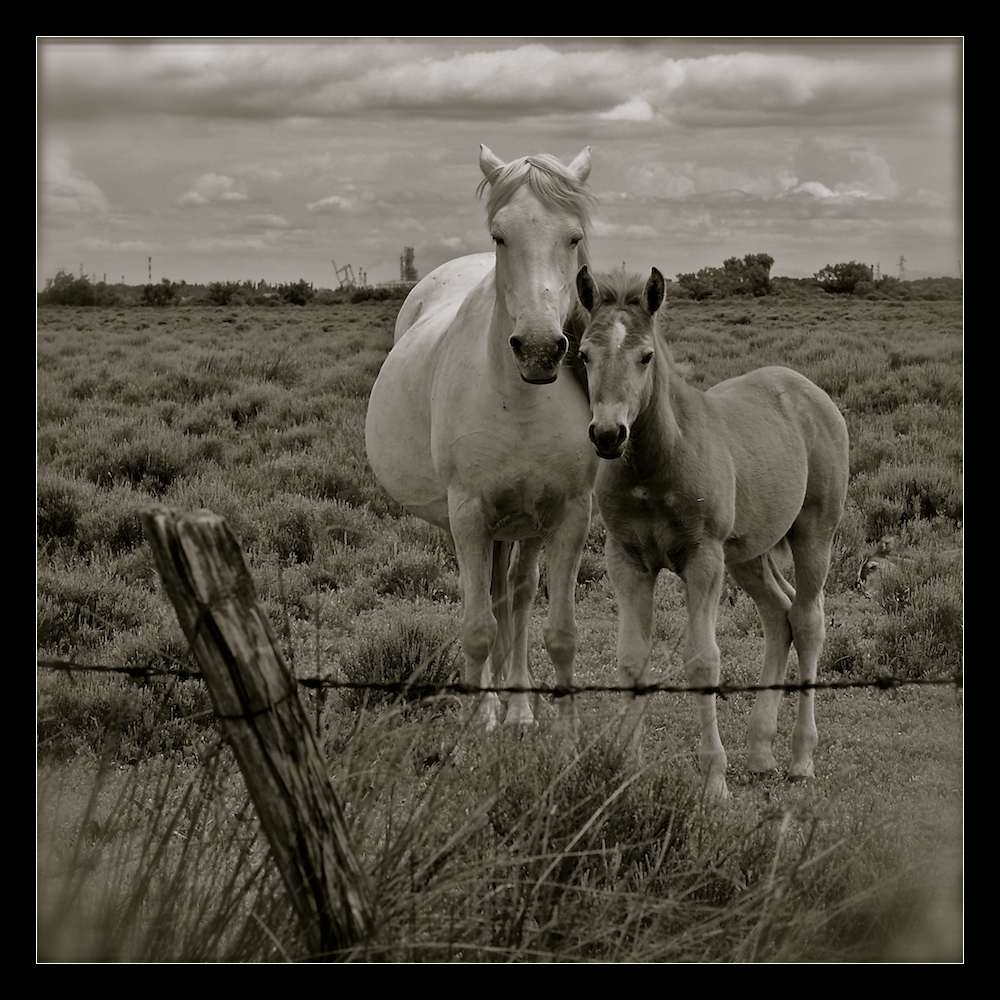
point(477, 425)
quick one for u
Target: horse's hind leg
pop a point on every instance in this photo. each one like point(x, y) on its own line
point(769, 591)
point(811, 543)
point(562, 563)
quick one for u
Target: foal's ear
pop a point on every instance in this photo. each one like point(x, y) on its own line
point(654, 290)
point(489, 161)
point(586, 289)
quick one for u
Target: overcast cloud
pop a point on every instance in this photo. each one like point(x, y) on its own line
point(228, 160)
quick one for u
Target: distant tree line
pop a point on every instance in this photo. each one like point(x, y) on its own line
point(752, 276)
point(66, 290)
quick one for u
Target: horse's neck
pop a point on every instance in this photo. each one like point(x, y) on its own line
point(660, 426)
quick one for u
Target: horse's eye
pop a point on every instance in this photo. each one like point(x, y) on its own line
point(583, 357)
point(498, 240)
point(646, 358)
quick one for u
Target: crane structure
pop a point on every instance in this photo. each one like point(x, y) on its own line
point(345, 275)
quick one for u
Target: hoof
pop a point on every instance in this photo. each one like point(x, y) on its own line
point(567, 732)
point(519, 712)
point(801, 773)
point(716, 791)
point(487, 713)
point(761, 763)
point(519, 720)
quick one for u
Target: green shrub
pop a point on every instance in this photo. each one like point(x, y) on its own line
point(411, 647)
point(58, 509)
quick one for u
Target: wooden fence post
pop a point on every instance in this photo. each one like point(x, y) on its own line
point(254, 693)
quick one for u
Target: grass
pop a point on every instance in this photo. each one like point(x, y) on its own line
point(482, 849)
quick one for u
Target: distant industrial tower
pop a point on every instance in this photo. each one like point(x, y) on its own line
point(407, 269)
point(902, 269)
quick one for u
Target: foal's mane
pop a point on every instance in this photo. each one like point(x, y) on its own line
point(619, 288)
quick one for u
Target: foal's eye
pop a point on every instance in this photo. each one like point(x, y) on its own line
point(646, 358)
point(498, 240)
point(583, 357)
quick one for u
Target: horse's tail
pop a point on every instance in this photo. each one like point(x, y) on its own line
point(503, 611)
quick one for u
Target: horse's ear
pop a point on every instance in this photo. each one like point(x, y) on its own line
point(586, 289)
point(489, 161)
point(580, 167)
point(655, 290)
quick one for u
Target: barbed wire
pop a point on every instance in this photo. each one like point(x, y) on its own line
point(417, 689)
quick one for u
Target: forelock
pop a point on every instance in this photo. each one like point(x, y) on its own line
point(550, 182)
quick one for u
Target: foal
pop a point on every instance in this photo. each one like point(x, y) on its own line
point(700, 482)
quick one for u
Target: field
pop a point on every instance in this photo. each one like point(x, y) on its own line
point(481, 849)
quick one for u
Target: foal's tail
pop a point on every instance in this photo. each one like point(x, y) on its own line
point(781, 556)
point(503, 611)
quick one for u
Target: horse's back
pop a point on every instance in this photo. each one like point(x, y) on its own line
point(436, 298)
point(789, 444)
point(758, 402)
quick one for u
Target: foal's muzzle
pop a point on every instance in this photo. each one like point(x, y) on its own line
point(609, 441)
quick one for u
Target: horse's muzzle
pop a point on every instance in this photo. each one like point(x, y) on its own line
point(538, 358)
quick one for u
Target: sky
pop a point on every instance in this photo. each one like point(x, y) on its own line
point(279, 159)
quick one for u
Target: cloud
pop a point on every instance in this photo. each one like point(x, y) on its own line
point(829, 166)
point(469, 78)
point(635, 110)
point(336, 203)
point(757, 87)
point(267, 221)
point(212, 188)
point(229, 244)
point(632, 231)
point(98, 245)
point(66, 192)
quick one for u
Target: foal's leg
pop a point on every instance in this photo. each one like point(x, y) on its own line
point(758, 580)
point(523, 581)
point(474, 551)
point(634, 586)
point(702, 574)
point(811, 545)
point(562, 563)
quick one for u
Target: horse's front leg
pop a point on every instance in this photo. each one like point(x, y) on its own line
point(562, 562)
point(702, 573)
point(634, 586)
point(523, 581)
point(474, 552)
